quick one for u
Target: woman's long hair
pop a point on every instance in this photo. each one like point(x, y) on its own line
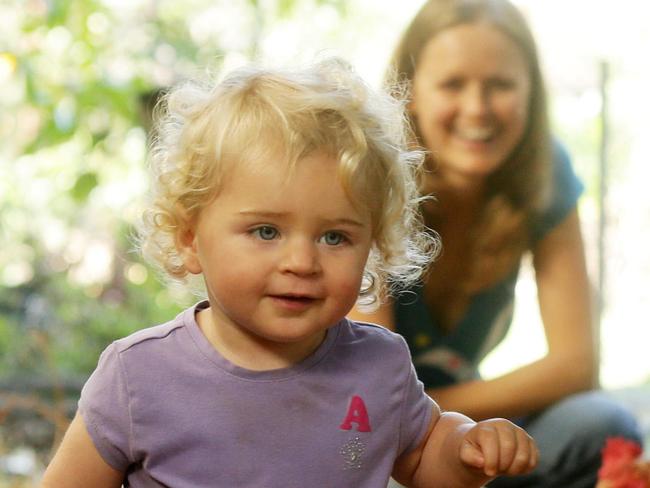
point(520, 186)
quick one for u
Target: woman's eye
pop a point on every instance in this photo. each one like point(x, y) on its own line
point(451, 84)
point(501, 84)
point(333, 238)
point(266, 232)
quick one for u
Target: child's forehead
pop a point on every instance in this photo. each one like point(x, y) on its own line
point(273, 159)
point(282, 174)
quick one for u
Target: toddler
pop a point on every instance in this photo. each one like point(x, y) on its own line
point(293, 196)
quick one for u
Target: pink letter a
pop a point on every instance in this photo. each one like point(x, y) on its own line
point(358, 414)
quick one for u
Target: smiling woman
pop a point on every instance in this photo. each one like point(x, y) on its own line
point(503, 188)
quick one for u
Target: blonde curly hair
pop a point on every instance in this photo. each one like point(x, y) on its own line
point(204, 130)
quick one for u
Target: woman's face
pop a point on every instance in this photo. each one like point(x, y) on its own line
point(471, 92)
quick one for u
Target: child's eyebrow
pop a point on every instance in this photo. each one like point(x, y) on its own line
point(277, 215)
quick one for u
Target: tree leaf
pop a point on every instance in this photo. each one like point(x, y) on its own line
point(85, 183)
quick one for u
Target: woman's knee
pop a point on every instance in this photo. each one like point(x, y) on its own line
point(572, 433)
point(598, 416)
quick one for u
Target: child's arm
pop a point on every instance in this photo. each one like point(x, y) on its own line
point(459, 453)
point(77, 464)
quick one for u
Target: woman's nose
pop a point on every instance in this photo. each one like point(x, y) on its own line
point(476, 100)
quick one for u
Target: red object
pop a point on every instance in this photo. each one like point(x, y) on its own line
point(622, 466)
point(358, 414)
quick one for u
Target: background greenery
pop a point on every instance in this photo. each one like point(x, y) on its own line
point(76, 79)
point(76, 76)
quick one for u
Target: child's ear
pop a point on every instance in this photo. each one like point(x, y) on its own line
point(186, 245)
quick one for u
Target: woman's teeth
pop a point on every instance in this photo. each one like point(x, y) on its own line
point(479, 135)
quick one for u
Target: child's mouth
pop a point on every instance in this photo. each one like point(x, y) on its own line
point(293, 302)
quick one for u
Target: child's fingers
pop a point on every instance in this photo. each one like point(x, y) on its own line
point(471, 455)
point(504, 448)
point(534, 458)
point(526, 455)
point(517, 450)
point(484, 438)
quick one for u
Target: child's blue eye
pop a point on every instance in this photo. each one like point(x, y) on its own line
point(266, 232)
point(333, 238)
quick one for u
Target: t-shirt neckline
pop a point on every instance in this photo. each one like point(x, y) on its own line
point(212, 355)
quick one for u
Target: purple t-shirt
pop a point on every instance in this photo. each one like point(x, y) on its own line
point(164, 407)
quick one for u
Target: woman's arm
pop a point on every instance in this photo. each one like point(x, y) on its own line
point(77, 464)
point(565, 301)
point(570, 364)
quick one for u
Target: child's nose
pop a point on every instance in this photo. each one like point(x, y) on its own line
point(301, 257)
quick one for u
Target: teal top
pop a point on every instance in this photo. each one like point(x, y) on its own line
point(443, 358)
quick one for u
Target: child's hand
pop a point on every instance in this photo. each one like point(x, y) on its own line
point(499, 447)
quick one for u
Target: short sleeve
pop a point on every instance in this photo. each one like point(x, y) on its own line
point(104, 407)
point(565, 191)
point(417, 410)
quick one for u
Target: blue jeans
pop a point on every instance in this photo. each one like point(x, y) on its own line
point(570, 435)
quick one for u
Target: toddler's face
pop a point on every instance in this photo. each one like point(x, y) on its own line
point(282, 258)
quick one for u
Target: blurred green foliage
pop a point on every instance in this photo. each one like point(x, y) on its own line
point(76, 78)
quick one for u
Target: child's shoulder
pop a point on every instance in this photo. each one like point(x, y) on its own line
point(371, 347)
point(371, 328)
point(370, 332)
point(150, 335)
